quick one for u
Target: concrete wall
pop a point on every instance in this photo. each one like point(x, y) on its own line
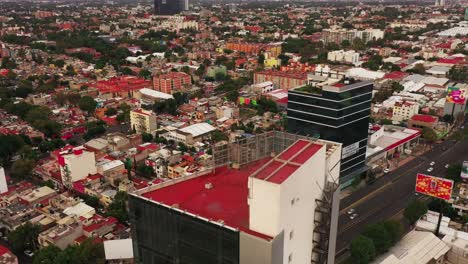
point(80, 165)
point(264, 206)
point(298, 195)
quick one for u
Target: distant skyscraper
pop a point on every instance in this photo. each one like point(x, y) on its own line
point(337, 113)
point(170, 7)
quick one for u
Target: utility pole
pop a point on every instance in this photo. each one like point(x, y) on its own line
point(441, 210)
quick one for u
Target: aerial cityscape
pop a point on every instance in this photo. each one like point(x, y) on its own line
point(233, 132)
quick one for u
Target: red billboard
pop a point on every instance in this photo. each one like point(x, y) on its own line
point(434, 186)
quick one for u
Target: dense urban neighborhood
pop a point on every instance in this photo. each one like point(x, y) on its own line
point(233, 132)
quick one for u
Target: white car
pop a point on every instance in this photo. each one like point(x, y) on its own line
point(386, 171)
point(432, 163)
point(29, 253)
point(447, 166)
point(351, 211)
point(430, 169)
point(353, 216)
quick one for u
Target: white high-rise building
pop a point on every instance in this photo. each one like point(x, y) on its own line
point(3, 182)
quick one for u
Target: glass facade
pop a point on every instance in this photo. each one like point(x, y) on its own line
point(165, 236)
point(336, 116)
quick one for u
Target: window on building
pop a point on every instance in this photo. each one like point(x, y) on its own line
point(290, 258)
point(291, 234)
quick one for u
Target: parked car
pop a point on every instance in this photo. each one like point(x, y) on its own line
point(432, 163)
point(29, 253)
point(430, 169)
point(386, 171)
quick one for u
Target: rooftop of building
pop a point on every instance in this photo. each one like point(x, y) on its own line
point(424, 118)
point(221, 196)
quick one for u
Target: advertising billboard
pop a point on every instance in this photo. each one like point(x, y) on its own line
point(434, 186)
point(464, 171)
point(456, 95)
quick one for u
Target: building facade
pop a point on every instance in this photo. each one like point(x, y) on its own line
point(349, 56)
point(76, 164)
point(171, 82)
point(143, 121)
point(404, 111)
point(339, 114)
point(281, 80)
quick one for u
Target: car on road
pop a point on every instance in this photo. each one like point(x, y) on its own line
point(353, 216)
point(29, 253)
point(351, 211)
point(447, 166)
point(386, 171)
point(432, 163)
point(430, 169)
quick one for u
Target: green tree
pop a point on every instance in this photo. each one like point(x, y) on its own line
point(24, 237)
point(87, 104)
point(261, 59)
point(362, 250)
point(147, 137)
point(145, 171)
point(144, 73)
point(454, 171)
point(126, 71)
point(22, 168)
point(47, 255)
point(394, 229)
point(429, 135)
point(232, 95)
point(419, 69)
point(118, 207)
point(415, 210)
point(110, 112)
point(379, 236)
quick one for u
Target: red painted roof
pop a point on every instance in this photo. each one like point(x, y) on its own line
point(226, 201)
point(396, 75)
point(424, 118)
point(451, 61)
point(278, 170)
point(3, 250)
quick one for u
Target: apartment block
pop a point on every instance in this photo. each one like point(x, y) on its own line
point(171, 82)
point(143, 121)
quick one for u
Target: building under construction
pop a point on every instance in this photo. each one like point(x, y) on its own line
point(270, 198)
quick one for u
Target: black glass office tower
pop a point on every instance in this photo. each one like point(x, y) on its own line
point(336, 113)
point(170, 7)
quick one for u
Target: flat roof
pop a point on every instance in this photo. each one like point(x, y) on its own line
point(287, 162)
point(198, 129)
point(226, 201)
